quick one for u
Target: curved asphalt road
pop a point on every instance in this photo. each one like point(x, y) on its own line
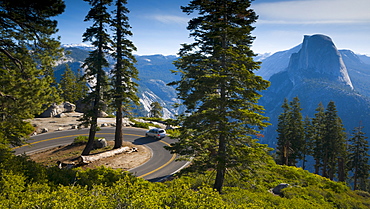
point(161, 165)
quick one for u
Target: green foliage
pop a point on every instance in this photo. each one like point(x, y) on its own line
point(218, 86)
point(291, 133)
point(27, 56)
point(80, 140)
point(173, 133)
point(358, 157)
point(95, 63)
point(156, 110)
point(152, 119)
point(72, 87)
point(99, 176)
point(124, 73)
point(22, 186)
point(142, 125)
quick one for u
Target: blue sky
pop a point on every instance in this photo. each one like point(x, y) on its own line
point(159, 26)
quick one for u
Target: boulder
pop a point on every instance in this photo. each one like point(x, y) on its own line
point(52, 111)
point(102, 114)
point(44, 130)
point(56, 110)
point(104, 125)
point(278, 188)
point(100, 143)
point(69, 107)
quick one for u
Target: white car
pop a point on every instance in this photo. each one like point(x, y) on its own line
point(157, 133)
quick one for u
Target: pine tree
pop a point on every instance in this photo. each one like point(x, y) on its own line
point(218, 86)
point(156, 110)
point(283, 149)
point(318, 133)
point(308, 142)
point(124, 88)
point(27, 54)
point(290, 133)
point(334, 141)
point(358, 157)
point(67, 85)
point(96, 62)
point(297, 130)
point(73, 87)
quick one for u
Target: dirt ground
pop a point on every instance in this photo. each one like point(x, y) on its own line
point(67, 122)
point(70, 153)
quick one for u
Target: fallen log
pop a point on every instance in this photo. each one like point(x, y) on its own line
point(91, 158)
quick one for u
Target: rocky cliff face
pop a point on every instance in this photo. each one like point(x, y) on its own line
point(318, 58)
point(316, 73)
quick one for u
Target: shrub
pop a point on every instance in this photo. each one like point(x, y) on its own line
point(80, 140)
point(152, 119)
point(142, 125)
point(173, 133)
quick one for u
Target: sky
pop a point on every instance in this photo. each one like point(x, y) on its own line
point(159, 26)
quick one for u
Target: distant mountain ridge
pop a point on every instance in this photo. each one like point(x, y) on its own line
point(352, 103)
point(154, 74)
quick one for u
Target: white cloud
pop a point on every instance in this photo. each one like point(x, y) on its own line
point(170, 19)
point(314, 12)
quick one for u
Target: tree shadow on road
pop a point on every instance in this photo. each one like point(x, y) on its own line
point(144, 140)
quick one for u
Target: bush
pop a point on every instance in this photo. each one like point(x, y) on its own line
point(152, 119)
point(141, 125)
point(173, 133)
point(80, 140)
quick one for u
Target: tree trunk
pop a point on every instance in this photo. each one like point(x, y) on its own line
point(317, 166)
point(97, 96)
point(304, 161)
point(341, 172)
point(221, 166)
point(118, 137)
point(325, 165)
point(90, 142)
point(355, 178)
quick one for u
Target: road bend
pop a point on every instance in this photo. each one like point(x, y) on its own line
point(161, 165)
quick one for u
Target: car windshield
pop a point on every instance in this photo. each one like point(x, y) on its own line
point(161, 131)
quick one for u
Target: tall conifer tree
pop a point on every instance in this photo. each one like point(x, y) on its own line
point(297, 129)
point(283, 149)
point(318, 133)
point(290, 133)
point(218, 86)
point(156, 110)
point(73, 87)
point(27, 54)
point(124, 88)
point(358, 157)
point(98, 35)
point(334, 141)
point(308, 143)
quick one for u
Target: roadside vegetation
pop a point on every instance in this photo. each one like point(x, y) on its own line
point(26, 184)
